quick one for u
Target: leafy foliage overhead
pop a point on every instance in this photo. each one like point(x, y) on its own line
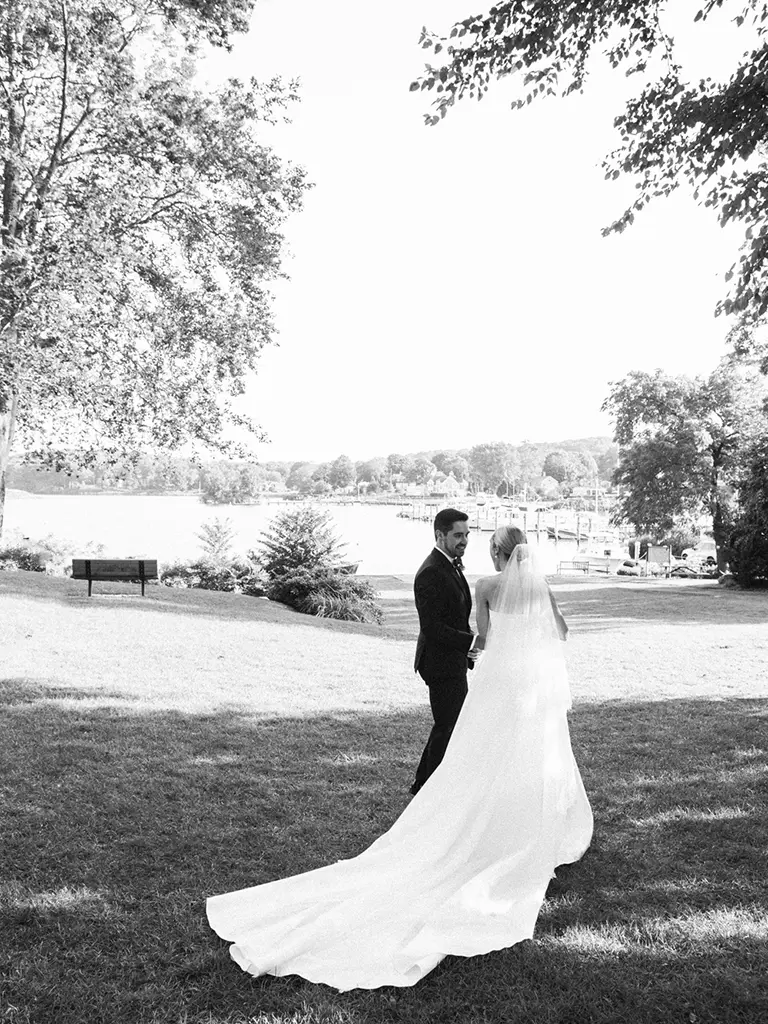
point(708, 135)
point(142, 224)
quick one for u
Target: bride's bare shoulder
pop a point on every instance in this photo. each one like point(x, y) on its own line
point(487, 584)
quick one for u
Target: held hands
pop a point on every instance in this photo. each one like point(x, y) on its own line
point(476, 650)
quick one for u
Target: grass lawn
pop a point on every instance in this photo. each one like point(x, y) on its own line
point(155, 751)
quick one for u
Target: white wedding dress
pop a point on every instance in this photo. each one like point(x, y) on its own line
point(465, 867)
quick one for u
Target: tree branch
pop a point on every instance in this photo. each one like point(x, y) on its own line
point(64, 82)
point(154, 214)
point(53, 161)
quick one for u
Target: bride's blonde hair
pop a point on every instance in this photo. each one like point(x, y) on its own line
point(505, 540)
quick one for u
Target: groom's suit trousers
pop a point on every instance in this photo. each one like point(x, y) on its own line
point(444, 602)
point(446, 698)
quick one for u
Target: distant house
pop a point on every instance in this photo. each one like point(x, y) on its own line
point(449, 487)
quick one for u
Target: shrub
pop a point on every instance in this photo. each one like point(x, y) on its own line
point(254, 584)
point(25, 558)
point(216, 537)
point(49, 554)
point(301, 557)
point(233, 577)
point(748, 543)
point(301, 538)
point(748, 555)
point(328, 593)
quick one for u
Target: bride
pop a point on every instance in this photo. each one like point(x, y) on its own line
point(465, 867)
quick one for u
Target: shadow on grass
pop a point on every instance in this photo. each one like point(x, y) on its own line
point(589, 607)
point(610, 606)
point(119, 821)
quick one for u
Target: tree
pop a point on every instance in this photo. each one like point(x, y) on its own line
point(586, 467)
point(216, 537)
point(342, 473)
point(141, 222)
point(492, 463)
point(281, 469)
point(251, 478)
point(176, 473)
point(560, 465)
point(373, 471)
point(218, 484)
point(274, 480)
point(457, 466)
point(301, 538)
point(300, 476)
point(607, 462)
point(320, 474)
point(673, 132)
point(748, 543)
point(570, 467)
point(406, 468)
point(230, 483)
point(530, 459)
point(682, 442)
point(396, 466)
point(420, 471)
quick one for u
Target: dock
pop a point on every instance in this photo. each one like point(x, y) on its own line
point(560, 524)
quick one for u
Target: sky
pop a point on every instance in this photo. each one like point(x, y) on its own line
point(450, 285)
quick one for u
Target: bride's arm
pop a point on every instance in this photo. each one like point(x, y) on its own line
point(482, 612)
point(562, 625)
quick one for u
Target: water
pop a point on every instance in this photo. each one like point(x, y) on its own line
point(165, 527)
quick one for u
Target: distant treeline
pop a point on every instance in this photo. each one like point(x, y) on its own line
point(220, 480)
point(550, 469)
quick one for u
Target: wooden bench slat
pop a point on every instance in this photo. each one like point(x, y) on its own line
point(115, 569)
point(103, 568)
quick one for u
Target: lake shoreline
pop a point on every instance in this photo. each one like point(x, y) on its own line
point(168, 528)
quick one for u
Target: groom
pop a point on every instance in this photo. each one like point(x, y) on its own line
point(444, 649)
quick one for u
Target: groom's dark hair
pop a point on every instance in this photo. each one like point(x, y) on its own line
point(445, 519)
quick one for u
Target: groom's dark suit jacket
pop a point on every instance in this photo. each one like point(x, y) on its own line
point(444, 602)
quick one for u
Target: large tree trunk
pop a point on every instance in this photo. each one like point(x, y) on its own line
point(720, 535)
point(8, 407)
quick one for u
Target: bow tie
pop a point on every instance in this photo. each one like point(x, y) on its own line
point(458, 564)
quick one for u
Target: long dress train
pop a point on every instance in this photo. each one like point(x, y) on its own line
point(465, 867)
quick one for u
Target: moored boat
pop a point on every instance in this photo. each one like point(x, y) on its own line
point(565, 533)
point(605, 552)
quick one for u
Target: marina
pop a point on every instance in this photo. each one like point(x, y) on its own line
point(556, 524)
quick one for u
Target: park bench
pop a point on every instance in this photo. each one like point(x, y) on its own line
point(573, 566)
point(122, 570)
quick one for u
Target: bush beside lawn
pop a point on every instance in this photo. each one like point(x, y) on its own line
point(298, 562)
